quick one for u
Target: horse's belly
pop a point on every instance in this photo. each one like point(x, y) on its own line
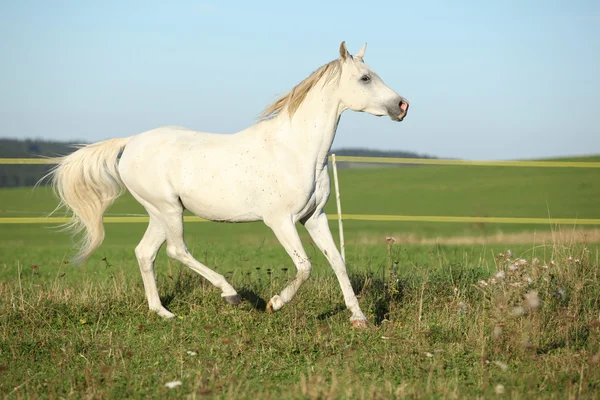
point(220, 208)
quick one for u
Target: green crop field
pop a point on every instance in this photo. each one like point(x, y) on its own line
point(445, 320)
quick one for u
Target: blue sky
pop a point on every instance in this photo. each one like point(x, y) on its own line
point(486, 79)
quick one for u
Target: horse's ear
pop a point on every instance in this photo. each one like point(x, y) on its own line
point(344, 55)
point(361, 53)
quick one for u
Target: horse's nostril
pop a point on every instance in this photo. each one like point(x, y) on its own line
point(403, 105)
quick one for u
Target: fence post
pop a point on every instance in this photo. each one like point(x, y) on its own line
point(339, 208)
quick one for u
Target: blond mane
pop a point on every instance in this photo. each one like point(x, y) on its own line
point(294, 98)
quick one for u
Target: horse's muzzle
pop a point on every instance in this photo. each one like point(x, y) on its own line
point(403, 105)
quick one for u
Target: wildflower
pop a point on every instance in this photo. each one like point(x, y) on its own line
point(509, 254)
point(462, 307)
point(531, 302)
point(552, 263)
point(500, 275)
point(521, 262)
point(559, 293)
point(482, 283)
point(513, 268)
point(429, 355)
point(173, 384)
point(544, 266)
point(192, 353)
point(577, 261)
point(492, 281)
point(499, 389)
point(570, 259)
point(527, 279)
point(390, 240)
point(385, 338)
point(535, 262)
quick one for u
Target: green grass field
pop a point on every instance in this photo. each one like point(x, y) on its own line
point(441, 322)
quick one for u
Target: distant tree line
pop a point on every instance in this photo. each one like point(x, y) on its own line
point(28, 175)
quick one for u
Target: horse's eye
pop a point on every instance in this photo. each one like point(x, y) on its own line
point(365, 78)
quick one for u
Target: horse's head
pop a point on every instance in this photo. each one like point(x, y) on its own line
point(361, 89)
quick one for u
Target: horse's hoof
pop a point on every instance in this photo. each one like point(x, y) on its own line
point(233, 300)
point(359, 323)
point(274, 304)
point(164, 313)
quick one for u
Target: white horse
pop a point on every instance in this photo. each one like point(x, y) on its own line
point(274, 171)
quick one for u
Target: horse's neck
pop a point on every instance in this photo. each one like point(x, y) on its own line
point(314, 124)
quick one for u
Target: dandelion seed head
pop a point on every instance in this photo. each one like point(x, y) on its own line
point(497, 332)
point(499, 389)
point(500, 275)
point(517, 311)
point(502, 365)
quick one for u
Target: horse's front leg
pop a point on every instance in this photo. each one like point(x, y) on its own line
point(287, 235)
point(318, 228)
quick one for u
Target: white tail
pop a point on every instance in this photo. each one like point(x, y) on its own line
point(87, 183)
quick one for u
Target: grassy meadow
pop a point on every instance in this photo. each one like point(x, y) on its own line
point(475, 319)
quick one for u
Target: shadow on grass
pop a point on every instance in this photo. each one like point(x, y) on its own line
point(376, 293)
point(328, 314)
point(254, 299)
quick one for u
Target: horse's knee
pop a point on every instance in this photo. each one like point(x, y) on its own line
point(145, 257)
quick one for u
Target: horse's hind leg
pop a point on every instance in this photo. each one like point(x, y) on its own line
point(176, 249)
point(286, 232)
point(146, 254)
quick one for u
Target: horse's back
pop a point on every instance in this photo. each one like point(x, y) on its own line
point(204, 171)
